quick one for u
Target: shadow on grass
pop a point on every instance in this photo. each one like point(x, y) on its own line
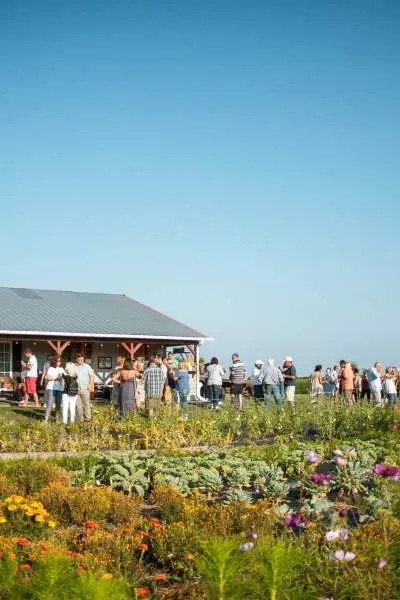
point(30, 413)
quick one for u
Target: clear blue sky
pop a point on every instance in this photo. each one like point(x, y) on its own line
point(233, 164)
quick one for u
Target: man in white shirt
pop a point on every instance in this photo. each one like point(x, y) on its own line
point(85, 383)
point(30, 366)
point(258, 392)
point(375, 383)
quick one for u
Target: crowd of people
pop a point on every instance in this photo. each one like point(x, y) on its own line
point(272, 383)
point(68, 388)
point(347, 381)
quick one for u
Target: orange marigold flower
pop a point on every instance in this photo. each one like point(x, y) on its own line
point(25, 567)
point(23, 542)
point(12, 556)
point(143, 547)
point(107, 576)
point(158, 578)
point(142, 592)
point(91, 525)
point(156, 523)
point(143, 533)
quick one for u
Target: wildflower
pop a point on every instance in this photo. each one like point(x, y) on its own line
point(107, 576)
point(313, 458)
point(156, 523)
point(143, 547)
point(158, 578)
point(340, 461)
point(320, 478)
point(190, 556)
point(17, 499)
point(387, 471)
point(382, 563)
point(23, 542)
point(338, 452)
point(12, 507)
point(39, 518)
point(12, 556)
point(52, 524)
point(295, 521)
point(142, 592)
point(3, 519)
point(252, 535)
point(91, 525)
point(25, 567)
point(246, 547)
point(337, 534)
point(341, 556)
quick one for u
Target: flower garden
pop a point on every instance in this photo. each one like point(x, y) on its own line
point(284, 504)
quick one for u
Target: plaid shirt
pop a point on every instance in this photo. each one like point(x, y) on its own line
point(153, 379)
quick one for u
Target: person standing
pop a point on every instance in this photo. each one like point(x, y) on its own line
point(357, 385)
point(153, 381)
point(375, 383)
point(391, 387)
point(119, 363)
point(317, 387)
point(365, 390)
point(70, 393)
point(328, 382)
point(237, 376)
point(271, 379)
point(289, 377)
point(347, 382)
point(336, 375)
point(85, 383)
point(54, 387)
point(30, 366)
point(256, 385)
point(215, 374)
point(183, 387)
point(126, 378)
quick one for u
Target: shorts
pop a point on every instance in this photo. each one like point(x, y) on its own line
point(237, 389)
point(30, 385)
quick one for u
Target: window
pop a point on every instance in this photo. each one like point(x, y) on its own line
point(5, 358)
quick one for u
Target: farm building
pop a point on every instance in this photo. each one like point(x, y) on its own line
point(101, 326)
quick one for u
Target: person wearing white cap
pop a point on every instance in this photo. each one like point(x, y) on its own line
point(289, 376)
point(257, 386)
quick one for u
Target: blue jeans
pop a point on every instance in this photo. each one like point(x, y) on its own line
point(183, 401)
point(53, 397)
point(272, 391)
point(391, 398)
point(213, 393)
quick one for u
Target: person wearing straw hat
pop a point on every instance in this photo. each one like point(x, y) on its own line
point(289, 377)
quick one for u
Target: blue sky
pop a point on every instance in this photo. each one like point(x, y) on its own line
point(235, 165)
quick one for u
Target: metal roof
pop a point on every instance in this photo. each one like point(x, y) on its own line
point(52, 312)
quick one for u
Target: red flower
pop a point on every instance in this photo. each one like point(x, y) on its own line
point(23, 542)
point(91, 525)
point(156, 523)
point(25, 567)
point(143, 547)
point(143, 534)
point(158, 578)
point(142, 592)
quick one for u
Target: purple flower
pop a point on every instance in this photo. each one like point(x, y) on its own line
point(295, 521)
point(313, 458)
point(252, 535)
point(387, 471)
point(341, 555)
point(246, 547)
point(320, 478)
point(337, 534)
point(340, 461)
point(382, 563)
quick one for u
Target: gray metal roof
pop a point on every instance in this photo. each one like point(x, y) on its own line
point(28, 311)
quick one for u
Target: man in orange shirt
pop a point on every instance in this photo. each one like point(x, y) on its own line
point(347, 381)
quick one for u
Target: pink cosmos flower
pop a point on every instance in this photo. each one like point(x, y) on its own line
point(340, 461)
point(320, 478)
point(337, 534)
point(382, 563)
point(341, 555)
point(391, 472)
point(313, 458)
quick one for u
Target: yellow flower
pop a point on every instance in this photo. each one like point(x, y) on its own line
point(29, 513)
point(18, 499)
point(8, 500)
point(39, 518)
point(25, 506)
point(107, 576)
point(52, 524)
point(12, 507)
point(3, 519)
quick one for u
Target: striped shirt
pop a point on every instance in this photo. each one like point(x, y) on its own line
point(238, 372)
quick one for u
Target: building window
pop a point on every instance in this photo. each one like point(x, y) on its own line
point(5, 358)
